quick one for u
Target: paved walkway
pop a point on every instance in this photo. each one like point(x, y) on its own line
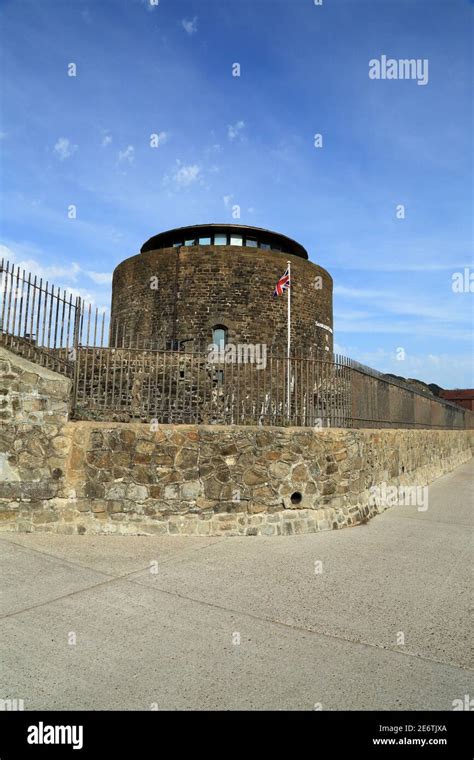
point(169, 638)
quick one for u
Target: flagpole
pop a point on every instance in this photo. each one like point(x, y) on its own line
point(288, 394)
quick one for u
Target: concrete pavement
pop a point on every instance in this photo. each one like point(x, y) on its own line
point(373, 617)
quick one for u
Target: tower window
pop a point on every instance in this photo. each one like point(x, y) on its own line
point(236, 240)
point(219, 336)
point(252, 242)
point(220, 239)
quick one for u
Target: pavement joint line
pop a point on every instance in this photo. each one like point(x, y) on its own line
point(251, 615)
point(302, 629)
point(129, 578)
point(262, 619)
point(108, 579)
point(51, 556)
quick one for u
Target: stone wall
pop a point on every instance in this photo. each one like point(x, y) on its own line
point(213, 480)
point(111, 477)
point(231, 285)
point(33, 445)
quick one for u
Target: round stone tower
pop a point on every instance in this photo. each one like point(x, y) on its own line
point(210, 283)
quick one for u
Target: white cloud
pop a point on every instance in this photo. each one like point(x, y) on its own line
point(150, 5)
point(186, 175)
point(190, 26)
point(227, 199)
point(347, 314)
point(88, 297)
point(394, 302)
point(106, 141)
point(13, 250)
point(127, 155)
point(101, 278)
point(421, 329)
point(358, 292)
point(448, 370)
point(49, 273)
point(64, 148)
point(419, 254)
point(233, 130)
point(59, 276)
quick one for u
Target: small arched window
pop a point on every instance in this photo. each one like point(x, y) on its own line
point(219, 336)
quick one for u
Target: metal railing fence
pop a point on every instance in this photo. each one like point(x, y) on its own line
point(126, 377)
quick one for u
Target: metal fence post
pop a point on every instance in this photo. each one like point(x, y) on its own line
point(75, 351)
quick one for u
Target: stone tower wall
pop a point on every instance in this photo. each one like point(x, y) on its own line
point(199, 287)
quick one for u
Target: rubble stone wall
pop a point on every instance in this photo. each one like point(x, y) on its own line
point(111, 477)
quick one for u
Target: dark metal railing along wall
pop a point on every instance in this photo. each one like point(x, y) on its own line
point(178, 382)
point(36, 319)
point(44, 322)
point(186, 386)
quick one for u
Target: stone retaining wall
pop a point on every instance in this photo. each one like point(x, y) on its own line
point(110, 477)
point(34, 406)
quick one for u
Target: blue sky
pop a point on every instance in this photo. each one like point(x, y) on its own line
point(249, 140)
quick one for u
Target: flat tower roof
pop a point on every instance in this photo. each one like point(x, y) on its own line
point(256, 237)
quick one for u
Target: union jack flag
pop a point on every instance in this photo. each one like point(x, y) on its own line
point(282, 284)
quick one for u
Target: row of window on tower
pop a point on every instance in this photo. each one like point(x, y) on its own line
point(223, 238)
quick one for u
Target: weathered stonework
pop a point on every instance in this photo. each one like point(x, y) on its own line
point(231, 286)
point(213, 480)
point(110, 477)
point(33, 446)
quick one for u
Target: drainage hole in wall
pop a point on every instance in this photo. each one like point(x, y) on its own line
point(296, 498)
